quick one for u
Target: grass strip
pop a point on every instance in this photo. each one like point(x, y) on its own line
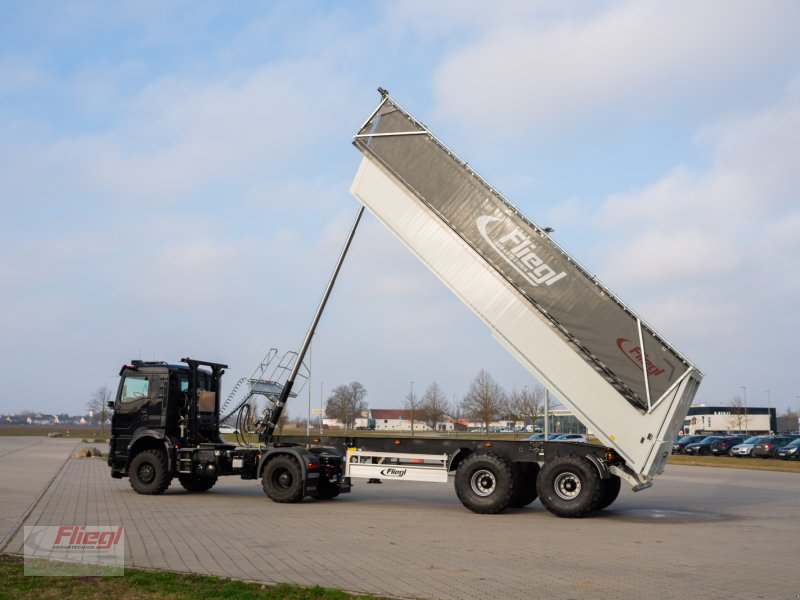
point(139, 584)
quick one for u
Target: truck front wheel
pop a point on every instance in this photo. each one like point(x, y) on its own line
point(569, 486)
point(149, 473)
point(484, 483)
point(282, 480)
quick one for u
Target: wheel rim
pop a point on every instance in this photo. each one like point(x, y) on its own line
point(567, 486)
point(146, 473)
point(283, 479)
point(483, 482)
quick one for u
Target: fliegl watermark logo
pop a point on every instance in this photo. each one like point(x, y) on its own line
point(518, 249)
point(74, 550)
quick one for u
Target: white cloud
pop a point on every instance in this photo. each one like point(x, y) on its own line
point(631, 58)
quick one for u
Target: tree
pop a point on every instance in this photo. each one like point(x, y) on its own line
point(98, 405)
point(346, 403)
point(738, 419)
point(527, 405)
point(434, 406)
point(484, 400)
point(414, 405)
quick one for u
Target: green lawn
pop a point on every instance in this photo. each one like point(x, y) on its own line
point(139, 584)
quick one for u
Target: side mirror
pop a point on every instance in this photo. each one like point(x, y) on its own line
point(110, 404)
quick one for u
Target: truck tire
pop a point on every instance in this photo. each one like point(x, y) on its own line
point(196, 483)
point(525, 475)
point(282, 480)
point(569, 486)
point(149, 473)
point(484, 483)
point(609, 490)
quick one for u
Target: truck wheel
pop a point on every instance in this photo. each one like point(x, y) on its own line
point(282, 480)
point(148, 472)
point(569, 486)
point(609, 490)
point(484, 483)
point(196, 483)
point(525, 475)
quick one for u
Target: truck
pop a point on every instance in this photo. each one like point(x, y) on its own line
point(620, 377)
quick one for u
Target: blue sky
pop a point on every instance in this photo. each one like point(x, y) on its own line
point(174, 181)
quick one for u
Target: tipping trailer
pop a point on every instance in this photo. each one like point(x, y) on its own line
point(618, 376)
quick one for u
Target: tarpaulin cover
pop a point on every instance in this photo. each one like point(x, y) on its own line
point(588, 317)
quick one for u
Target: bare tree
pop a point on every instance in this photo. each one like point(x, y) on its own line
point(434, 405)
point(98, 405)
point(346, 403)
point(413, 405)
point(527, 405)
point(484, 400)
point(738, 419)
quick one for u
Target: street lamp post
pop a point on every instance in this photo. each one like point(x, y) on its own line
point(746, 427)
point(411, 402)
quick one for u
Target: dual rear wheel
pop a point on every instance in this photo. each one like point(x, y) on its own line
point(568, 486)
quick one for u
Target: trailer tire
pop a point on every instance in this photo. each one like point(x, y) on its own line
point(484, 483)
point(569, 486)
point(609, 490)
point(196, 483)
point(282, 480)
point(525, 475)
point(149, 473)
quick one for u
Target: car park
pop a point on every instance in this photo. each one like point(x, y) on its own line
point(790, 451)
point(723, 446)
point(703, 446)
point(680, 443)
point(768, 447)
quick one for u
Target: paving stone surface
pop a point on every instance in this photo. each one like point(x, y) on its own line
point(698, 533)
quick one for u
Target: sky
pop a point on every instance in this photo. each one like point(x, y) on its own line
point(174, 181)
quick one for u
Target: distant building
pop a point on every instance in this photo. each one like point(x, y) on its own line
point(730, 419)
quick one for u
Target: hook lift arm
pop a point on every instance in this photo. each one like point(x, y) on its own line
point(275, 417)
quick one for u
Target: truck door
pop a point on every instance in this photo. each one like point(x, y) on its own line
point(131, 412)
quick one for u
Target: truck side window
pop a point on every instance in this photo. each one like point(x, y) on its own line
point(135, 388)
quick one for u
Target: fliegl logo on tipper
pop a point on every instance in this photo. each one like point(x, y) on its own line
point(518, 250)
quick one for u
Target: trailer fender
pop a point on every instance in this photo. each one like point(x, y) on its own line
point(599, 464)
point(457, 458)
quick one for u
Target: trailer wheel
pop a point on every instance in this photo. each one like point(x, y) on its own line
point(148, 472)
point(609, 490)
point(525, 475)
point(282, 480)
point(196, 483)
point(484, 483)
point(569, 486)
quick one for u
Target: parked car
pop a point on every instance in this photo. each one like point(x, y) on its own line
point(572, 437)
point(790, 451)
point(703, 446)
point(768, 447)
point(723, 446)
point(746, 447)
point(225, 428)
point(680, 444)
point(536, 437)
